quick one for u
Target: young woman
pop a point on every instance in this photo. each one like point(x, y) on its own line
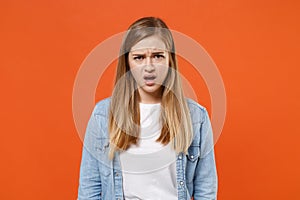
point(147, 141)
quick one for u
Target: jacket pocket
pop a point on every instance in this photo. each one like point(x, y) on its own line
point(194, 153)
point(102, 150)
point(191, 164)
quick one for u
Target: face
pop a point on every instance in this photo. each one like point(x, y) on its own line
point(148, 62)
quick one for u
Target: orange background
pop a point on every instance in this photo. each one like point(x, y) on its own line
point(255, 45)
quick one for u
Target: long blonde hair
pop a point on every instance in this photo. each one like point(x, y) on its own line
point(124, 115)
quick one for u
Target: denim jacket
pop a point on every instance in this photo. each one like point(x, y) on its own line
point(101, 178)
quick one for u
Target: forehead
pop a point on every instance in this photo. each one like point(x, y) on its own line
point(152, 42)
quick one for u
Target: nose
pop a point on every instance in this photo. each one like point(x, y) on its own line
point(149, 65)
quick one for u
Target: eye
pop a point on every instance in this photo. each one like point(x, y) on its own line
point(138, 58)
point(159, 56)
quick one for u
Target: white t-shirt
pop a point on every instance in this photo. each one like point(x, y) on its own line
point(149, 168)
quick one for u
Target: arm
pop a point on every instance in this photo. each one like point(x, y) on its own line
point(89, 180)
point(205, 182)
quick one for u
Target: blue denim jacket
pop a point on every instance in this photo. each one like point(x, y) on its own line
point(101, 178)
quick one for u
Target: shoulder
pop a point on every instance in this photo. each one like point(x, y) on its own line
point(197, 111)
point(102, 107)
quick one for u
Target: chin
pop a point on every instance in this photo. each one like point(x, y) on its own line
point(150, 89)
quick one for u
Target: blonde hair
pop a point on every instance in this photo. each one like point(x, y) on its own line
point(124, 115)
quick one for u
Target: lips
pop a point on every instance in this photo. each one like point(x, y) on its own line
point(149, 79)
point(152, 77)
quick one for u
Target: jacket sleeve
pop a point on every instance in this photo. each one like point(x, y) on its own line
point(89, 179)
point(205, 180)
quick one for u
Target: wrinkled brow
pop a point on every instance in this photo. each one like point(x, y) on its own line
point(145, 50)
point(153, 53)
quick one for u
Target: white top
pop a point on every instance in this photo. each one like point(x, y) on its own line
point(149, 168)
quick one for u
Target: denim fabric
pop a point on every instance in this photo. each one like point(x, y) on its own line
point(101, 178)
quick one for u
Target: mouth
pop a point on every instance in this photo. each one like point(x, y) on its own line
point(149, 80)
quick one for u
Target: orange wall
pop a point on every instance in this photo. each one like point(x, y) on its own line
point(254, 43)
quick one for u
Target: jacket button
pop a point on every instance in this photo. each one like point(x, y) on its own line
point(192, 156)
point(117, 174)
point(181, 182)
point(180, 157)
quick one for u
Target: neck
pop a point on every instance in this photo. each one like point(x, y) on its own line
point(150, 98)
